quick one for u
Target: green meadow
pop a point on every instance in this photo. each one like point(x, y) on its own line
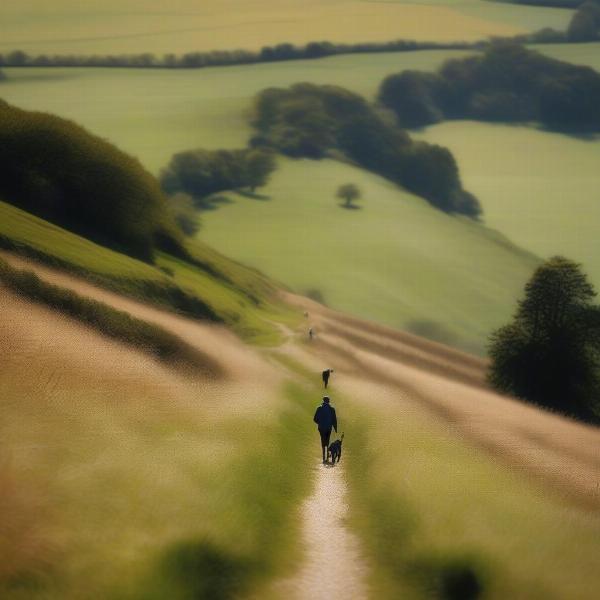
point(131, 26)
point(541, 189)
point(394, 260)
point(154, 113)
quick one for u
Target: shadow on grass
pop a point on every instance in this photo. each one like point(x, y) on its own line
point(201, 570)
point(350, 206)
point(449, 577)
point(253, 195)
point(212, 202)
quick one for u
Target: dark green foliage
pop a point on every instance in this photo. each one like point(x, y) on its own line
point(186, 216)
point(507, 83)
point(57, 170)
point(418, 92)
point(312, 121)
point(202, 571)
point(450, 577)
point(585, 24)
point(550, 353)
point(348, 192)
point(109, 321)
point(200, 173)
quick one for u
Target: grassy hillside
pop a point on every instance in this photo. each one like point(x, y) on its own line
point(541, 189)
point(396, 260)
point(116, 27)
point(239, 296)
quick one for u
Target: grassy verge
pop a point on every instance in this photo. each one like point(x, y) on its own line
point(105, 319)
point(442, 520)
point(209, 287)
point(194, 500)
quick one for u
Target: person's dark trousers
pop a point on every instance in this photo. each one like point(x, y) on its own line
point(325, 380)
point(325, 435)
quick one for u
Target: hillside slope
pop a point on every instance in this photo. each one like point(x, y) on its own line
point(395, 260)
point(486, 475)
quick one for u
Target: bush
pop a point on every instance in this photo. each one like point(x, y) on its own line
point(314, 121)
point(57, 170)
point(200, 173)
point(550, 353)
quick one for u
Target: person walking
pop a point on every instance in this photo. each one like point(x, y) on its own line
point(326, 375)
point(326, 419)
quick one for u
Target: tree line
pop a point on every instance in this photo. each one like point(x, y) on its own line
point(506, 83)
point(57, 170)
point(197, 60)
point(315, 121)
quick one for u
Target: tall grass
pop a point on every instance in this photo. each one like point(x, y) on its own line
point(105, 319)
point(442, 520)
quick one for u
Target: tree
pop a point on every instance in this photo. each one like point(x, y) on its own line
point(348, 192)
point(260, 163)
point(550, 353)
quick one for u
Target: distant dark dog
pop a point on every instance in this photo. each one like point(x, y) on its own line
point(335, 450)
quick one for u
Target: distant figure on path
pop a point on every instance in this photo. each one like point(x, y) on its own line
point(311, 333)
point(325, 375)
point(326, 419)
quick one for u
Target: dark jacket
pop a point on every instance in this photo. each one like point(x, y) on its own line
point(325, 417)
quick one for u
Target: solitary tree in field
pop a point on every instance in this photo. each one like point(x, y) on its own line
point(550, 353)
point(348, 193)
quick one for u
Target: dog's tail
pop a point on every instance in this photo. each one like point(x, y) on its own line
point(342, 438)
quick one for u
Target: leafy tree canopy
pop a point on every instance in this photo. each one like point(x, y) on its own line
point(308, 120)
point(56, 169)
point(550, 353)
point(505, 83)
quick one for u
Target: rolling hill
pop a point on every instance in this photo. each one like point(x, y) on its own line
point(138, 26)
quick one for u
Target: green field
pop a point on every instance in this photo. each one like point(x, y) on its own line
point(540, 189)
point(515, 171)
point(154, 113)
point(396, 260)
point(134, 26)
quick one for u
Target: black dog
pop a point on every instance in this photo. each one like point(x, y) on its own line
point(335, 450)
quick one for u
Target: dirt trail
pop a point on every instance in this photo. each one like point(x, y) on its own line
point(64, 350)
point(332, 565)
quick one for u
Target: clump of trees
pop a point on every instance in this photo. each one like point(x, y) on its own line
point(507, 83)
point(348, 192)
point(56, 169)
point(585, 24)
point(200, 173)
point(550, 353)
point(315, 121)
